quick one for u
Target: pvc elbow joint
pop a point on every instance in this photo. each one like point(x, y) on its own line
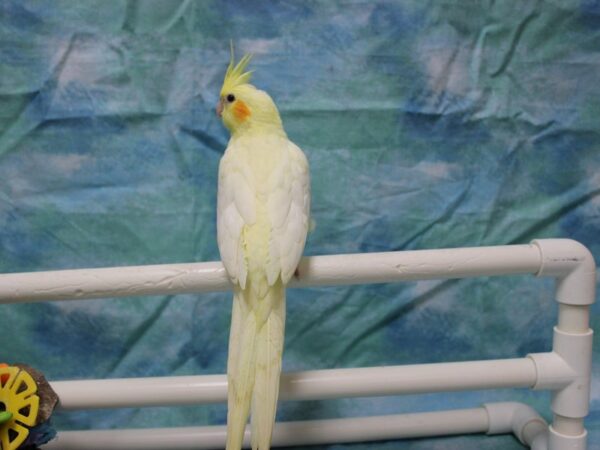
point(573, 265)
point(518, 418)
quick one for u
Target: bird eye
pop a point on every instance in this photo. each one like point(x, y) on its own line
point(230, 98)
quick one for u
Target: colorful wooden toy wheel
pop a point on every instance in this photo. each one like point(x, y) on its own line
point(19, 404)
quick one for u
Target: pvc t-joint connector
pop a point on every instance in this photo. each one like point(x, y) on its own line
point(552, 371)
point(576, 351)
point(566, 371)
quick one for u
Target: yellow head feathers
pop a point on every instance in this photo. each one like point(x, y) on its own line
point(244, 108)
point(236, 75)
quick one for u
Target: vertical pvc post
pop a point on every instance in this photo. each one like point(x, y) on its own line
point(574, 269)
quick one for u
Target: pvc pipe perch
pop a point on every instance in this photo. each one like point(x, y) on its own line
point(566, 370)
point(307, 385)
point(491, 418)
point(330, 270)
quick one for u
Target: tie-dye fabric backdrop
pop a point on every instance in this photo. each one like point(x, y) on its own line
point(427, 125)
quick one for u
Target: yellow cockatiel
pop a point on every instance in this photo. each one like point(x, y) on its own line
point(262, 220)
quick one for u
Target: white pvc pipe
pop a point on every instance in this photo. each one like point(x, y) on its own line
point(308, 385)
point(568, 261)
point(573, 318)
point(567, 425)
point(313, 271)
point(493, 418)
point(312, 432)
point(113, 282)
point(574, 268)
point(540, 442)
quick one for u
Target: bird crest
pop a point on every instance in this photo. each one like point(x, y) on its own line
point(236, 74)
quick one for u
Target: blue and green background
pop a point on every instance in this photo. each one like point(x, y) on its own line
point(427, 125)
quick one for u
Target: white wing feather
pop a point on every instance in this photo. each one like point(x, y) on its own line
point(288, 208)
point(235, 207)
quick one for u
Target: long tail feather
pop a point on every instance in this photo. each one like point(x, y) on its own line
point(269, 349)
point(240, 370)
point(254, 363)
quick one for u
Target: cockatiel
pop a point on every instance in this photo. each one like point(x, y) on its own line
point(262, 222)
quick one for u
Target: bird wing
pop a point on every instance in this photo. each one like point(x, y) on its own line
point(288, 208)
point(235, 208)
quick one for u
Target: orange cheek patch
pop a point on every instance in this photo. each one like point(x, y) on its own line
point(241, 111)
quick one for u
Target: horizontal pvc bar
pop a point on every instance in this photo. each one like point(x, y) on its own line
point(313, 271)
point(378, 428)
point(308, 385)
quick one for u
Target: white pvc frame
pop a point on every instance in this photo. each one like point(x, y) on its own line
point(566, 370)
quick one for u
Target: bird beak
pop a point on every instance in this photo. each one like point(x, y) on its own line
point(219, 109)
